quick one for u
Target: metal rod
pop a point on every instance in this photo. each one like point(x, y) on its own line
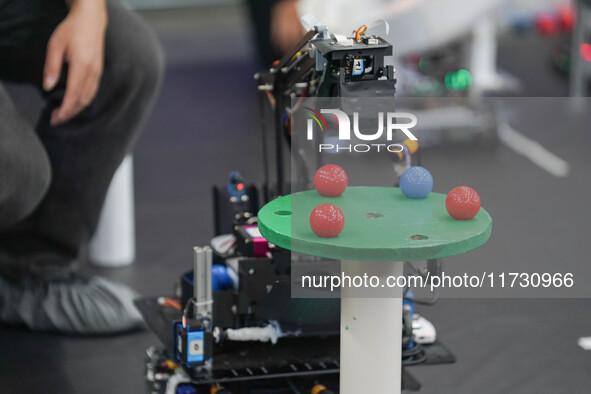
point(202, 281)
point(262, 102)
point(577, 75)
point(279, 136)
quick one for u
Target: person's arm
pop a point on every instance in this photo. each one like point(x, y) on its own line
point(78, 41)
point(286, 29)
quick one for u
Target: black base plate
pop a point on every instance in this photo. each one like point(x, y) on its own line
point(290, 357)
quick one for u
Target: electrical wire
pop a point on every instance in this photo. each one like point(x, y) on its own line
point(359, 32)
point(166, 301)
point(435, 294)
point(298, 53)
point(190, 301)
point(271, 99)
point(299, 102)
point(414, 355)
point(293, 387)
point(412, 268)
point(223, 244)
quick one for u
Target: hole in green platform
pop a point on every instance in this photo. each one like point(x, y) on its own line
point(418, 237)
point(373, 215)
point(283, 213)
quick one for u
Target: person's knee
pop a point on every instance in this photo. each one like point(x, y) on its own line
point(152, 62)
point(134, 58)
point(150, 66)
point(25, 179)
point(143, 71)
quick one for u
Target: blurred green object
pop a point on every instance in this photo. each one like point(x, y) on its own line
point(458, 80)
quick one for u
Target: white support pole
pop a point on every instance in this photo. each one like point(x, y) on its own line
point(371, 334)
point(113, 244)
point(483, 55)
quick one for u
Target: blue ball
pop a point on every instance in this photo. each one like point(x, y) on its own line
point(220, 279)
point(416, 182)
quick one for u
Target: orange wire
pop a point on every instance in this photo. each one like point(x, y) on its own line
point(271, 98)
point(360, 32)
point(172, 303)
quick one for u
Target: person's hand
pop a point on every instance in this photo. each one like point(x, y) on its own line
point(286, 29)
point(78, 41)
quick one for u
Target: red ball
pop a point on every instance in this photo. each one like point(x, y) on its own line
point(462, 203)
point(566, 15)
point(330, 180)
point(327, 220)
point(547, 24)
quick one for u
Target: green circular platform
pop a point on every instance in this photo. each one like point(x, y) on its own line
point(380, 225)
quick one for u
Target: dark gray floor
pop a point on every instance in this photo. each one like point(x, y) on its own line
point(206, 124)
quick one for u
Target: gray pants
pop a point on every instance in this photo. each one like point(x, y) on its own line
point(53, 180)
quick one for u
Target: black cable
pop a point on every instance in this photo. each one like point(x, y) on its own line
point(409, 265)
point(186, 308)
point(190, 301)
point(412, 351)
point(292, 386)
point(435, 296)
point(413, 355)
